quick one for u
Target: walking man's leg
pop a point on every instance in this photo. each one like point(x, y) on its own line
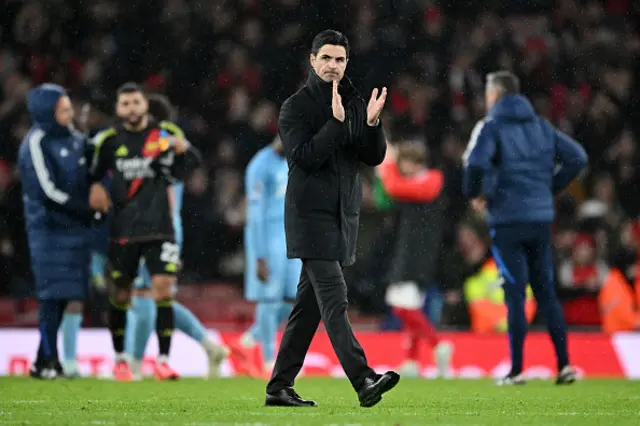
point(542, 284)
point(331, 292)
point(297, 337)
point(510, 257)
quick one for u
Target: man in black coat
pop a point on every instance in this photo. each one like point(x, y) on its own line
point(328, 131)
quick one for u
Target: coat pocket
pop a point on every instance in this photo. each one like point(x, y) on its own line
point(315, 193)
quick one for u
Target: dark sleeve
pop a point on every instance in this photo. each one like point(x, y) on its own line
point(302, 147)
point(103, 157)
point(571, 158)
point(185, 163)
point(374, 147)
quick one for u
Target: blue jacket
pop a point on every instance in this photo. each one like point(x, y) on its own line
point(519, 161)
point(54, 172)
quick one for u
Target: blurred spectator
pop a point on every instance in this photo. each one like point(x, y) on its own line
point(580, 278)
point(483, 291)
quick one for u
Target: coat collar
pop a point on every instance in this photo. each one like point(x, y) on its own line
point(323, 90)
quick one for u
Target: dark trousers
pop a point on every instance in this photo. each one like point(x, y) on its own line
point(523, 254)
point(51, 312)
point(322, 294)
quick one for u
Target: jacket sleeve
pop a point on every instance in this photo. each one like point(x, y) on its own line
point(184, 163)
point(103, 158)
point(256, 187)
point(43, 165)
point(423, 188)
point(373, 148)
point(303, 148)
point(571, 158)
point(478, 158)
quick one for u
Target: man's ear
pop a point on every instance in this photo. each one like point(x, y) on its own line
point(312, 60)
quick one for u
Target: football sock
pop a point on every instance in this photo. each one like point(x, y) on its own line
point(71, 323)
point(267, 315)
point(118, 325)
point(165, 324)
point(141, 321)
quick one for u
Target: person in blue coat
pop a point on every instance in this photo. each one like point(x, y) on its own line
point(515, 163)
point(55, 185)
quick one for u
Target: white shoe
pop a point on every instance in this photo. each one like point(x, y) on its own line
point(566, 376)
point(409, 369)
point(216, 354)
point(136, 369)
point(442, 353)
point(511, 380)
point(70, 369)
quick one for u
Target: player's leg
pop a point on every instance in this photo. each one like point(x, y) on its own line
point(540, 259)
point(268, 310)
point(141, 319)
point(189, 324)
point(244, 349)
point(509, 254)
point(71, 324)
point(162, 259)
point(123, 265)
point(267, 325)
point(296, 339)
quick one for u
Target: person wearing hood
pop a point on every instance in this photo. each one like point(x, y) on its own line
point(55, 185)
point(515, 163)
point(328, 131)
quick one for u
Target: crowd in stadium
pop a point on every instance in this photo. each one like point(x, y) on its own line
point(228, 66)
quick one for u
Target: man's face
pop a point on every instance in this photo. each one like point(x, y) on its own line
point(132, 108)
point(64, 111)
point(490, 96)
point(330, 63)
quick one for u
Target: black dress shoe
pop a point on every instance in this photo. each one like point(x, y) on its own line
point(287, 397)
point(373, 388)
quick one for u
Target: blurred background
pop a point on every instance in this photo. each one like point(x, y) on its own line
point(228, 65)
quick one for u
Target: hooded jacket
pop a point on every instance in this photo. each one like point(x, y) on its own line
point(519, 161)
point(53, 166)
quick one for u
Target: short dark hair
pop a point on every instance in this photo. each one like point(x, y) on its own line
point(333, 37)
point(506, 81)
point(160, 107)
point(130, 87)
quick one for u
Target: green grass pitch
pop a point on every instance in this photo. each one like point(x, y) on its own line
point(238, 401)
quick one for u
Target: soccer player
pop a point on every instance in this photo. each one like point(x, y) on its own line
point(270, 278)
point(145, 157)
point(141, 317)
point(515, 163)
point(58, 212)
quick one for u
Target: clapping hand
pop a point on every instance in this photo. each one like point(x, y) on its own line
point(376, 103)
point(336, 103)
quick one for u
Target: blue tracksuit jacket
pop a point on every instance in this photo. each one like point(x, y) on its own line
point(519, 161)
point(54, 171)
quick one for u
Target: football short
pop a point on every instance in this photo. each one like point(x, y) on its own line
point(160, 257)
